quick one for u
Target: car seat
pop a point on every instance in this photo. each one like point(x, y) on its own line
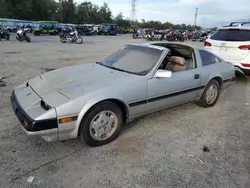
point(175, 64)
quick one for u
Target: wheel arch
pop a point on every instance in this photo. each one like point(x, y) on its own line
point(219, 80)
point(118, 102)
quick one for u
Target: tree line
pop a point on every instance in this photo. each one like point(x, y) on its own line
point(69, 12)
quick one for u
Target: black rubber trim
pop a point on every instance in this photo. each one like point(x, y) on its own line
point(137, 103)
point(33, 125)
point(74, 118)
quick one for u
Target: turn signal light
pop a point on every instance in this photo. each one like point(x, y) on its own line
point(207, 43)
point(25, 123)
point(66, 120)
point(244, 47)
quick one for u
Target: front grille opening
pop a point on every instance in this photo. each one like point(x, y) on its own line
point(45, 106)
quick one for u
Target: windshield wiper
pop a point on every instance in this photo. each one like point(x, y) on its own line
point(115, 68)
point(99, 63)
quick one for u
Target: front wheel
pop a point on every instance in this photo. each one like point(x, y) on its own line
point(210, 94)
point(79, 40)
point(18, 38)
point(102, 124)
point(8, 37)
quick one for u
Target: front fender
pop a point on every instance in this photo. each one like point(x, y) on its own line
point(93, 101)
point(79, 107)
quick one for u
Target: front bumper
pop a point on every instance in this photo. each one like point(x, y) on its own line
point(46, 128)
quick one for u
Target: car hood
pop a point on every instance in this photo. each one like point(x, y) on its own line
point(76, 81)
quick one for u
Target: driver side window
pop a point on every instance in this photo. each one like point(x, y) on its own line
point(177, 63)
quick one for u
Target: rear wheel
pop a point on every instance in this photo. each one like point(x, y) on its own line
point(27, 39)
point(210, 94)
point(102, 124)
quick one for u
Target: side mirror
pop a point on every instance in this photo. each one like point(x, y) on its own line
point(163, 74)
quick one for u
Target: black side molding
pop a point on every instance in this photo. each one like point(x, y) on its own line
point(137, 103)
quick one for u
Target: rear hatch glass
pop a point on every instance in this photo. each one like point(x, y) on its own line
point(226, 43)
point(232, 35)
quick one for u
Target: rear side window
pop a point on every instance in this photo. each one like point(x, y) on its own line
point(231, 35)
point(208, 58)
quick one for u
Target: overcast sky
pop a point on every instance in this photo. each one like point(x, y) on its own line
point(210, 12)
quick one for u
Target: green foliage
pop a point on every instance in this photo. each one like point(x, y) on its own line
point(70, 12)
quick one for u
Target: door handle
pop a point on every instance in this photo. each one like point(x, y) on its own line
point(196, 76)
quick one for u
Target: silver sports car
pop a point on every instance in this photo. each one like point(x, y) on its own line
point(93, 101)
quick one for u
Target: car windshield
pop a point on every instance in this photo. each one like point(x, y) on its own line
point(133, 59)
point(231, 35)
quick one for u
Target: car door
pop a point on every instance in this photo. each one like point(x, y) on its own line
point(182, 87)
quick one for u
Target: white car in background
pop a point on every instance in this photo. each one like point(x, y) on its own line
point(232, 43)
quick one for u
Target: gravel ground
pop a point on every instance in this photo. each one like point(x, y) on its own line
point(164, 149)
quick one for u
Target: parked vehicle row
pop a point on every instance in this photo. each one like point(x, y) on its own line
point(39, 28)
point(168, 35)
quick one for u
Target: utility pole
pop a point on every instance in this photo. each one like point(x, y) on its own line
point(61, 10)
point(195, 16)
point(133, 11)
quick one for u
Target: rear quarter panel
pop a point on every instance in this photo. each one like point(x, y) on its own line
point(223, 70)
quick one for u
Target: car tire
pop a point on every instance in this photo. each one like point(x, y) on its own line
point(210, 95)
point(88, 132)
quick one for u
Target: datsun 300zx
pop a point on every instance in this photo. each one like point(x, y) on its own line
point(94, 100)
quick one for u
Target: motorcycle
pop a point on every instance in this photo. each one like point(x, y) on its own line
point(4, 34)
point(21, 35)
point(138, 34)
point(72, 37)
point(152, 37)
point(179, 37)
point(203, 37)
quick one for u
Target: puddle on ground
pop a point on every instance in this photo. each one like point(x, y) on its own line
point(130, 145)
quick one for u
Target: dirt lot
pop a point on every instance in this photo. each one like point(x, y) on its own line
point(160, 150)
